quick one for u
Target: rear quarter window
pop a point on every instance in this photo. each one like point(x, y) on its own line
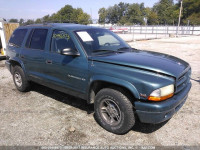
point(17, 37)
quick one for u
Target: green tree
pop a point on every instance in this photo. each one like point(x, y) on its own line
point(68, 14)
point(165, 11)
point(28, 22)
point(38, 21)
point(191, 11)
point(152, 18)
point(81, 17)
point(55, 18)
point(194, 19)
point(123, 20)
point(46, 18)
point(65, 14)
point(135, 14)
point(13, 20)
point(21, 21)
point(114, 14)
point(102, 15)
point(123, 12)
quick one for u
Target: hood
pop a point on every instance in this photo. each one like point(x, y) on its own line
point(146, 60)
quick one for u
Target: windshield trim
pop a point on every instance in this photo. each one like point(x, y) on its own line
point(79, 42)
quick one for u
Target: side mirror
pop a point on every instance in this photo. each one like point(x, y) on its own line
point(70, 52)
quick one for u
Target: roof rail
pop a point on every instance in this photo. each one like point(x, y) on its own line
point(45, 23)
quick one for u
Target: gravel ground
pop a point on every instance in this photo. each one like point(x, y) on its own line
point(47, 117)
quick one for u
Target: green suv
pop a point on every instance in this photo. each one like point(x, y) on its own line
point(94, 64)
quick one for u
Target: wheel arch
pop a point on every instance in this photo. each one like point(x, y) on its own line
point(16, 62)
point(99, 82)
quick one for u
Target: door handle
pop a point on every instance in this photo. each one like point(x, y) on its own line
point(48, 61)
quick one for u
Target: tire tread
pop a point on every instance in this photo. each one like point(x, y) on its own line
point(25, 83)
point(118, 92)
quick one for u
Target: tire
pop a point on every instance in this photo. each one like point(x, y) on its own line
point(19, 78)
point(114, 111)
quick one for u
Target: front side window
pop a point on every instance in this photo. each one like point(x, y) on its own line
point(38, 39)
point(97, 41)
point(17, 37)
point(61, 40)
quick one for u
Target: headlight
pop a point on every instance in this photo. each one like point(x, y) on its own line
point(162, 93)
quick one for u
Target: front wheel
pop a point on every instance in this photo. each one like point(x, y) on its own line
point(114, 111)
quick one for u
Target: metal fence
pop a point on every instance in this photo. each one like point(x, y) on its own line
point(182, 30)
point(137, 32)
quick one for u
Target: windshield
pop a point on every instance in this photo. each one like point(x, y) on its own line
point(96, 41)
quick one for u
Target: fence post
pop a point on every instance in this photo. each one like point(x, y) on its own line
point(193, 30)
point(167, 29)
point(182, 30)
point(177, 31)
point(146, 33)
point(152, 29)
point(156, 31)
point(133, 35)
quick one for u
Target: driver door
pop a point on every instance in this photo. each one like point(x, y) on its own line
point(69, 72)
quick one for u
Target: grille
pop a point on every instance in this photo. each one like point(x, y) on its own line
point(183, 80)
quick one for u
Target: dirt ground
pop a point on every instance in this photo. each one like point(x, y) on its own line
point(47, 117)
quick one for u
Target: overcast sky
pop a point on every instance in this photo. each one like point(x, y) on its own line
point(32, 9)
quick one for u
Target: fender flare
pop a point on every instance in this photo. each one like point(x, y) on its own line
point(116, 81)
point(16, 59)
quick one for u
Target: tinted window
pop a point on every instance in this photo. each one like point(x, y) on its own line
point(38, 39)
point(18, 37)
point(61, 40)
point(29, 39)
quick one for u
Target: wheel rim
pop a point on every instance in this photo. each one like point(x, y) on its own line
point(110, 112)
point(18, 79)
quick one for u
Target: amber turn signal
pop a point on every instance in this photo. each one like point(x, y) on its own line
point(152, 98)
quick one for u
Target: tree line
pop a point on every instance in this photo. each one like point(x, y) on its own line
point(164, 12)
point(67, 14)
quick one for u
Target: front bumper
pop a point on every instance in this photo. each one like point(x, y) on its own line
point(157, 112)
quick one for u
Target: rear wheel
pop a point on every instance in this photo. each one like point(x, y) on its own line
point(114, 111)
point(20, 80)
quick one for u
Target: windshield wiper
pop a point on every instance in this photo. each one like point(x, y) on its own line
point(103, 50)
point(122, 48)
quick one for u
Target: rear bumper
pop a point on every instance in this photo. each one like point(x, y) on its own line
point(157, 112)
point(8, 65)
point(2, 57)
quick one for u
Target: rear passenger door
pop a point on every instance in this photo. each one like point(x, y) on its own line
point(32, 54)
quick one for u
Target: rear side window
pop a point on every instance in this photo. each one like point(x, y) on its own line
point(17, 37)
point(38, 39)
